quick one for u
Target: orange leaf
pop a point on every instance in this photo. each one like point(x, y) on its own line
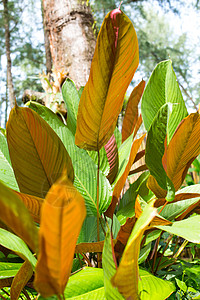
point(115, 61)
point(120, 183)
point(131, 113)
point(112, 154)
point(90, 247)
point(37, 154)
point(63, 213)
point(20, 280)
point(125, 230)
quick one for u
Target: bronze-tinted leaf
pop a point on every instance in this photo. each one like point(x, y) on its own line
point(131, 113)
point(63, 213)
point(114, 63)
point(37, 154)
point(113, 159)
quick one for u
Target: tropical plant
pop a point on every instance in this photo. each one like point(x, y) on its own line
point(68, 180)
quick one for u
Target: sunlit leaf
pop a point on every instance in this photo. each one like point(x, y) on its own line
point(37, 154)
point(87, 284)
point(109, 268)
point(131, 113)
point(63, 213)
point(155, 149)
point(162, 88)
point(16, 216)
point(120, 183)
point(114, 63)
point(127, 275)
point(8, 269)
point(6, 172)
point(14, 243)
point(112, 154)
point(20, 280)
point(188, 229)
point(85, 168)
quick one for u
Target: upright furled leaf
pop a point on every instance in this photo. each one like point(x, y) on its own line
point(20, 280)
point(120, 183)
point(63, 213)
point(37, 154)
point(183, 148)
point(163, 88)
point(113, 159)
point(16, 216)
point(131, 113)
point(155, 148)
point(114, 63)
point(127, 276)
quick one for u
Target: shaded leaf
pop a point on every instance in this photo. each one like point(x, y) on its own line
point(20, 280)
point(131, 113)
point(109, 268)
point(6, 282)
point(6, 172)
point(14, 243)
point(63, 213)
point(163, 88)
point(120, 183)
point(29, 140)
point(114, 63)
point(127, 275)
point(16, 216)
point(113, 159)
point(84, 167)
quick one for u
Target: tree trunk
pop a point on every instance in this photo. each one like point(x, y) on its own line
point(46, 43)
point(71, 36)
point(8, 56)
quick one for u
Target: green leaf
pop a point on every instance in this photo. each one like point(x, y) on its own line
point(188, 229)
point(84, 167)
point(109, 268)
point(114, 63)
point(71, 98)
point(14, 243)
point(6, 172)
point(87, 283)
point(155, 150)
point(154, 288)
point(163, 88)
point(181, 285)
point(9, 269)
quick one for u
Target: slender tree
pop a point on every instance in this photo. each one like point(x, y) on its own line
point(8, 54)
point(72, 39)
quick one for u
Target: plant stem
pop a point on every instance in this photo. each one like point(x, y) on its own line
point(163, 207)
point(167, 244)
point(98, 235)
point(155, 252)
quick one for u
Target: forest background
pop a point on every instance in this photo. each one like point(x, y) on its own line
point(165, 29)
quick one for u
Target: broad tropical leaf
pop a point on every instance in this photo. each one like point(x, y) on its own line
point(37, 154)
point(20, 280)
point(127, 275)
point(84, 166)
point(155, 149)
point(109, 269)
point(6, 172)
point(17, 245)
point(163, 88)
point(6, 282)
point(120, 183)
point(114, 63)
point(87, 284)
point(131, 113)
point(153, 288)
point(188, 229)
point(8, 270)
point(16, 216)
point(63, 213)
point(113, 159)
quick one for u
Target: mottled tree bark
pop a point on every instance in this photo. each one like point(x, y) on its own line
point(71, 36)
point(8, 56)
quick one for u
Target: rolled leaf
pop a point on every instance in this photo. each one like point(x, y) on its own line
point(16, 216)
point(63, 213)
point(131, 113)
point(114, 63)
point(37, 154)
